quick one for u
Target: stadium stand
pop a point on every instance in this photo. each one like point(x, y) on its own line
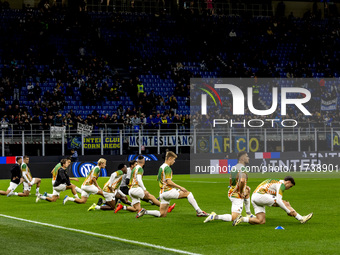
point(59, 68)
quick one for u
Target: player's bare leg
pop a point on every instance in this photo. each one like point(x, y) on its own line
point(81, 200)
point(293, 213)
point(5, 193)
point(48, 199)
point(163, 209)
point(134, 208)
point(26, 193)
point(123, 199)
point(109, 206)
point(148, 196)
point(260, 219)
point(37, 182)
point(72, 187)
point(192, 201)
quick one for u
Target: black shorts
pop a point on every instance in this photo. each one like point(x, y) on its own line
point(125, 190)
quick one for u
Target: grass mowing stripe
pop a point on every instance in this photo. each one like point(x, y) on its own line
point(101, 235)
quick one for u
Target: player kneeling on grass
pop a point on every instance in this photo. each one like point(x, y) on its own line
point(16, 179)
point(137, 189)
point(111, 188)
point(124, 187)
point(90, 185)
point(54, 173)
point(61, 183)
point(269, 193)
point(170, 190)
point(28, 180)
point(239, 192)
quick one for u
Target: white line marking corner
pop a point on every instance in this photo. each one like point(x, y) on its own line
point(101, 235)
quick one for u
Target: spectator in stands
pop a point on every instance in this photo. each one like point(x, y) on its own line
point(150, 122)
point(58, 120)
point(135, 121)
point(173, 104)
point(74, 155)
point(37, 91)
point(140, 88)
point(30, 91)
point(178, 123)
point(121, 110)
point(232, 33)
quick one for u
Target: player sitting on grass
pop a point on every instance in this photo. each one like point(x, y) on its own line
point(16, 179)
point(269, 193)
point(137, 189)
point(111, 188)
point(28, 180)
point(90, 185)
point(61, 183)
point(238, 192)
point(170, 190)
point(54, 173)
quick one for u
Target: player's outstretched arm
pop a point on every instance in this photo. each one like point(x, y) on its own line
point(174, 185)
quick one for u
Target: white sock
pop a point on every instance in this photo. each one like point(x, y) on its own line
point(71, 199)
point(76, 196)
point(193, 202)
point(245, 219)
point(15, 193)
point(49, 195)
point(97, 207)
point(79, 190)
point(153, 213)
point(298, 217)
point(124, 207)
point(224, 217)
point(43, 197)
point(37, 190)
point(247, 205)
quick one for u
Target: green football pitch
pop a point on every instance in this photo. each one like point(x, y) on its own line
point(71, 229)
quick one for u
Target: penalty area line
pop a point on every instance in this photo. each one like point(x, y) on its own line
point(100, 235)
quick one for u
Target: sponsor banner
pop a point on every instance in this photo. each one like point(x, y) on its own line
point(222, 144)
point(203, 144)
point(74, 142)
point(57, 132)
point(222, 166)
point(329, 105)
point(267, 155)
point(164, 141)
point(7, 160)
point(84, 129)
point(148, 157)
point(336, 140)
point(82, 169)
point(108, 143)
point(272, 162)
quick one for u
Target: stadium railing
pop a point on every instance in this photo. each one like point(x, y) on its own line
point(120, 139)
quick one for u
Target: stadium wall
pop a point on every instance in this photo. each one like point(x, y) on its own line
point(42, 166)
point(189, 163)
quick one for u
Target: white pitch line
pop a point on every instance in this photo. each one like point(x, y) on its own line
point(101, 235)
